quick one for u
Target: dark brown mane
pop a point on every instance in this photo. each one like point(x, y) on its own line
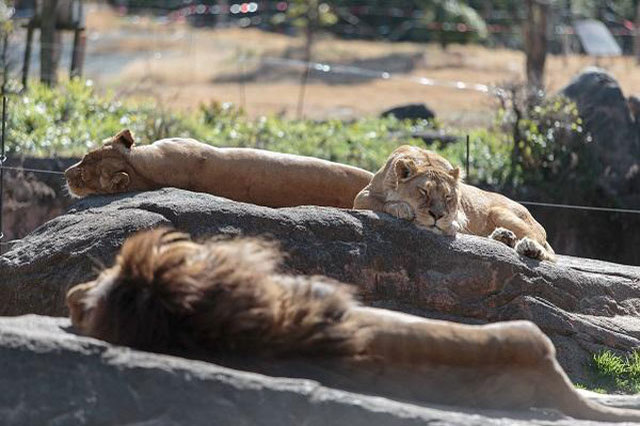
point(169, 294)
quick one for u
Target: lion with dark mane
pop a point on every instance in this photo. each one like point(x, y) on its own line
point(227, 300)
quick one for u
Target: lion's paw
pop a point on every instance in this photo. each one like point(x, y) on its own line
point(530, 248)
point(504, 236)
point(400, 209)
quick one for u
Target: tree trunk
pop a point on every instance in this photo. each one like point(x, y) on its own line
point(223, 17)
point(308, 46)
point(49, 43)
point(535, 41)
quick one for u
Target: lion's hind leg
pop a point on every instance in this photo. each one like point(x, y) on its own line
point(503, 365)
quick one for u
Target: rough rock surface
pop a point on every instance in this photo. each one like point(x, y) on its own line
point(30, 199)
point(410, 112)
point(51, 376)
point(607, 117)
point(583, 305)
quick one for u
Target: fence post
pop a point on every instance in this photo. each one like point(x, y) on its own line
point(3, 88)
point(2, 158)
point(467, 163)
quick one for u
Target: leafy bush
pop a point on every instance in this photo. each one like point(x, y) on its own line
point(614, 373)
point(489, 156)
point(550, 149)
point(73, 118)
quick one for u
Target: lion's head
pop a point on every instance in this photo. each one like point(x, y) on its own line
point(104, 170)
point(433, 192)
point(166, 293)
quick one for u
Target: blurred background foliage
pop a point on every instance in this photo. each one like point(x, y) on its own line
point(72, 118)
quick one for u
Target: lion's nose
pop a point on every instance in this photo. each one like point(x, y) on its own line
point(77, 292)
point(73, 171)
point(74, 302)
point(436, 215)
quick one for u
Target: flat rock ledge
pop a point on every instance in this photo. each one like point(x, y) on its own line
point(52, 376)
point(583, 305)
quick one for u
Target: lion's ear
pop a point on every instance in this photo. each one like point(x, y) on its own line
point(125, 138)
point(119, 182)
point(405, 169)
point(455, 173)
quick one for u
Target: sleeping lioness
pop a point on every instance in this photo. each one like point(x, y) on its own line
point(228, 302)
point(423, 187)
point(242, 174)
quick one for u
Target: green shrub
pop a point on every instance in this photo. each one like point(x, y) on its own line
point(489, 156)
point(615, 373)
point(550, 149)
point(73, 118)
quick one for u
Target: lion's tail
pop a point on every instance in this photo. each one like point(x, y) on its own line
point(564, 396)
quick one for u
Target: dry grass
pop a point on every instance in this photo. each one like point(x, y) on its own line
point(184, 67)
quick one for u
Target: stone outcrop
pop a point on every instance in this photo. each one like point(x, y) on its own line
point(57, 377)
point(30, 199)
point(607, 116)
point(419, 111)
point(583, 305)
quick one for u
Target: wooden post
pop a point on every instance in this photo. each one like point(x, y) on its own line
point(311, 20)
point(535, 41)
point(27, 54)
point(49, 43)
point(79, 46)
point(636, 35)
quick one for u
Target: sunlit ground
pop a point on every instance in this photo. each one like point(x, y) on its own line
point(181, 67)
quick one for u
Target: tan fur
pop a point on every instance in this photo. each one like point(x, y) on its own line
point(241, 174)
point(414, 184)
point(168, 294)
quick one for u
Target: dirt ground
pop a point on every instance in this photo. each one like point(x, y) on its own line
point(182, 67)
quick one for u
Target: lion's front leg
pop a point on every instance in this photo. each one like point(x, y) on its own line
point(504, 236)
point(520, 235)
point(399, 209)
point(370, 201)
point(366, 200)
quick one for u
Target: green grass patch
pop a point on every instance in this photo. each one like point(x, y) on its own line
point(611, 373)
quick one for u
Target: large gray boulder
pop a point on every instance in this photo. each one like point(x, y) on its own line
point(607, 116)
point(31, 199)
point(584, 306)
point(51, 376)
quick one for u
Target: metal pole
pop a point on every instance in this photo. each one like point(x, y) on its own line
point(242, 85)
point(2, 157)
point(5, 70)
point(5, 65)
point(467, 171)
point(303, 88)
